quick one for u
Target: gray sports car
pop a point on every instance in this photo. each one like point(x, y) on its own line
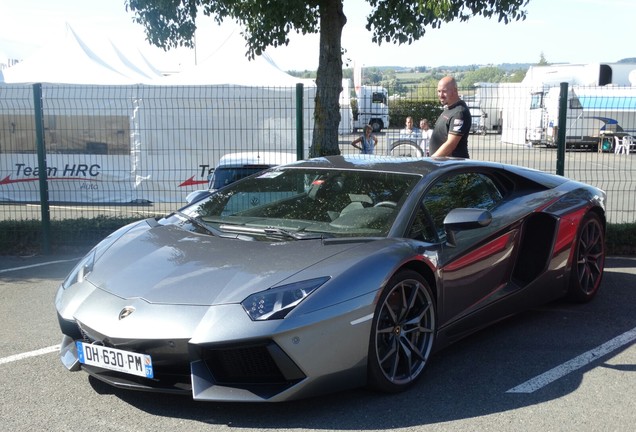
point(327, 274)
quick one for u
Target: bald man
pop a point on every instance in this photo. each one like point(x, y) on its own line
point(450, 134)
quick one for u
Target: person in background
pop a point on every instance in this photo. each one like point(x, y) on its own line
point(366, 142)
point(426, 133)
point(450, 134)
point(409, 132)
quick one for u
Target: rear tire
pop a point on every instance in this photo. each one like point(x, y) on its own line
point(589, 260)
point(402, 334)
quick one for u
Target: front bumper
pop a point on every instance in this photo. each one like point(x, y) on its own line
point(268, 361)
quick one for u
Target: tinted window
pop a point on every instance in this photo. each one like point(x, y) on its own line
point(378, 97)
point(536, 101)
point(224, 176)
point(335, 202)
point(468, 190)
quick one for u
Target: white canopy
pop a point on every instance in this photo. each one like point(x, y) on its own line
point(229, 65)
point(83, 59)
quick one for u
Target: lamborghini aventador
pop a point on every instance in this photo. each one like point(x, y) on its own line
point(327, 274)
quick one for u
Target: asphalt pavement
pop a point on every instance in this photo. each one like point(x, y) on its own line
point(573, 367)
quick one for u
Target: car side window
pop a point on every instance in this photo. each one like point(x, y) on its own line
point(422, 227)
point(466, 190)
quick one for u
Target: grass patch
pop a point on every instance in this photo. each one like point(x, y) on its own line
point(620, 239)
point(68, 236)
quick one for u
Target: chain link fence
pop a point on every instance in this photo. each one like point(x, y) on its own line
point(137, 151)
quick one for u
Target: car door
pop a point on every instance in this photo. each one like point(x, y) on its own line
point(475, 269)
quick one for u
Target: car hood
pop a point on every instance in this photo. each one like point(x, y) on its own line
point(169, 265)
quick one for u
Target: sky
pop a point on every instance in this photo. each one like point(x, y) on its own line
point(564, 31)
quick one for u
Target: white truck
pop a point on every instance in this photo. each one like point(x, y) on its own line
point(591, 111)
point(488, 107)
point(372, 108)
point(600, 97)
point(478, 120)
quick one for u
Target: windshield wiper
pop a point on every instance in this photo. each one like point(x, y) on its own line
point(201, 224)
point(271, 232)
point(279, 232)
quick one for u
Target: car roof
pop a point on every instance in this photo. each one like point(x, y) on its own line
point(426, 166)
point(406, 165)
point(256, 158)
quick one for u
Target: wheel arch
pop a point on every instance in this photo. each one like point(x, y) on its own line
point(583, 287)
point(390, 367)
point(601, 214)
point(427, 273)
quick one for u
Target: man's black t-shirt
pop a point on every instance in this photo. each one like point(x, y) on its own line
point(456, 120)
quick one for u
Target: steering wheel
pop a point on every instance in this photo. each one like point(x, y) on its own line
point(390, 204)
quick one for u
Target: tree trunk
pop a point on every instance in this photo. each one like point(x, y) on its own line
point(328, 80)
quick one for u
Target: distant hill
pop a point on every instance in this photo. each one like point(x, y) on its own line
point(504, 66)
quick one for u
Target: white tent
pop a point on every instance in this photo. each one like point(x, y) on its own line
point(234, 70)
point(152, 142)
point(83, 59)
point(229, 65)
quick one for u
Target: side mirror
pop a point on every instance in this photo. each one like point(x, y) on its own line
point(460, 219)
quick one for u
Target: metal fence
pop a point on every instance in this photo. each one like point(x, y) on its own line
point(139, 150)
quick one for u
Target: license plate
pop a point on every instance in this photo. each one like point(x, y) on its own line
point(115, 359)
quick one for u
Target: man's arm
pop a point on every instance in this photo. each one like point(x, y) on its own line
point(448, 147)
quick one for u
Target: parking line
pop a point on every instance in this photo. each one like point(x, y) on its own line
point(35, 353)
point(37, 265)
point(560, 371)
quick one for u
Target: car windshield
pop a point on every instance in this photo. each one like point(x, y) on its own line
point(223, 176)
point(296, 203)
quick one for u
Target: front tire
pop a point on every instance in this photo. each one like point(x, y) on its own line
point(589, 260)
point(402, 333)
point(376, 126)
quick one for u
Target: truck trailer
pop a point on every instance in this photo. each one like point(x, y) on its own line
point(591, 111)
point(600, 97)
point(372, 108)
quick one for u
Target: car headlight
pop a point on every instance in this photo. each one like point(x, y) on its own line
point(276, 303)
point(81, 270)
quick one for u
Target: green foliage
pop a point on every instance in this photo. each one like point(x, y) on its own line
point(306, 74)
point(407, 21)
point(621, 239)
point(67, 236)
point(172, 23)
point(488, 74)
point(24, 237)
point(374, 75)
point(515, 76)
point(19, 237)
point(417, 84)
point(400, 109)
